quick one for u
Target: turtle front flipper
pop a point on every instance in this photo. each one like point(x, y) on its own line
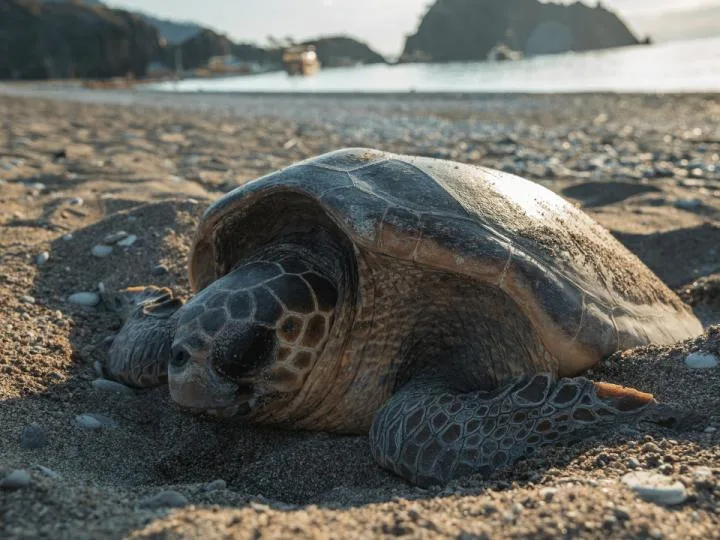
point(429, 433)
point(140, 353)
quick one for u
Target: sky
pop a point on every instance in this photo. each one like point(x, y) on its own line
point(383, 24)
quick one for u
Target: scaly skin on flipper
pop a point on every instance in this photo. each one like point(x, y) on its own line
point(140, 353)
point(429, 434)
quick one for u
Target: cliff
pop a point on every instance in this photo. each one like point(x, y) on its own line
point(61, 40)
point(461, 30)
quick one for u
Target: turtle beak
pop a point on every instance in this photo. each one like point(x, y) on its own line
point(195, 386)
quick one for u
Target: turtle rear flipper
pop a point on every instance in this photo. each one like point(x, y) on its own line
point(140, 353)
point(429, 434)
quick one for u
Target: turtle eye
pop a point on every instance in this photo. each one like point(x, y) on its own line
point(249, 350)
point(179, 358)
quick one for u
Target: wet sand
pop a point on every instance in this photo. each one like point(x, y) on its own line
point(77, 166)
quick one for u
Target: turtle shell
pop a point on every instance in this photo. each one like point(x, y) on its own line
point(584, 292)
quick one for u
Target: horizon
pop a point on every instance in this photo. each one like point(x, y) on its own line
point(386, 34)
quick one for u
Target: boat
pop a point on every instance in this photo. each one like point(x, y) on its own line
point(301, 60)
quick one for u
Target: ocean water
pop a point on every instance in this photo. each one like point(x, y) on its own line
point(681, 66)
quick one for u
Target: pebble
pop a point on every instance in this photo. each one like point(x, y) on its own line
point(548, 493)
point(216, 485)
point(47, 472)
point(115, 237)
point(85, 298)
point(169, 498)
point(42, 258)
point(94, 421)
point(67, 237)
point(33, 437)
point(27, 299)
point(101, 251)
point(105, 385)
point(698, 360)
point(76, 201)
point(127, 241)
point(159, 270)
point(97, 366)
point(688, 204)
point(17, 479)
point(656, 488)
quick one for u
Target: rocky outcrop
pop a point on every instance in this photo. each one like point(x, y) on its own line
point(62, 40)
point(197, 50)
point(336, 51)
point(461, 30)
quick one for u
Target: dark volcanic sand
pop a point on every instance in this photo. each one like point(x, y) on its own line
point(645, 167)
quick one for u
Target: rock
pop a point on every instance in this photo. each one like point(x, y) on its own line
point(47, 472)
point(95, 421)
point(97, 366)
point(128, 241)
point(698, 360)
point(115, 237)
point(85, 298)
point(216, 485)
point(42, 258)
point(17, 479)
point(460, 31)
point(100, 251)
point(688, 204)
point(165, 499)
point(67, 237)
point(159, 270)
point(76, 201)
point(122, 42)
point(27, 299)
point(33, 437)
point(656, 488)
point(548, 493)
point(340, 51)
point(105, 385)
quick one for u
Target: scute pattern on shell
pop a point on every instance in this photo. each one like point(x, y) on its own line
point(584, 291)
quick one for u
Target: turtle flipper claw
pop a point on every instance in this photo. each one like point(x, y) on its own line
point(140, 353)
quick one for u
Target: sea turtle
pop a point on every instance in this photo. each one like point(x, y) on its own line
point(444, 308)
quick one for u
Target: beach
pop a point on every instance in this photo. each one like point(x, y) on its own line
point(135, 170)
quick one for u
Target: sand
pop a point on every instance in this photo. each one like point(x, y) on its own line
point(77, 166)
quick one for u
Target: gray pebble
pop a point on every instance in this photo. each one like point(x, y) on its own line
point(656, 488)
point(216, 485)
point(159, 270)
point(27, 299)
point(698, 360)
point(47, 472)
point(115, 237)
point(42, 258)
point(17, 479)
point(33, 437)
point(164, 499)
point(97, 366)
point(94, 421)
point(76, 201)
point(127, 241)
point(85, 298)
point(100, 251)
point(67, 237)
point(105, 385)
point(688, 204)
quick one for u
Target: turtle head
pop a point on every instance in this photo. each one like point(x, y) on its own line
point(252, 336)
